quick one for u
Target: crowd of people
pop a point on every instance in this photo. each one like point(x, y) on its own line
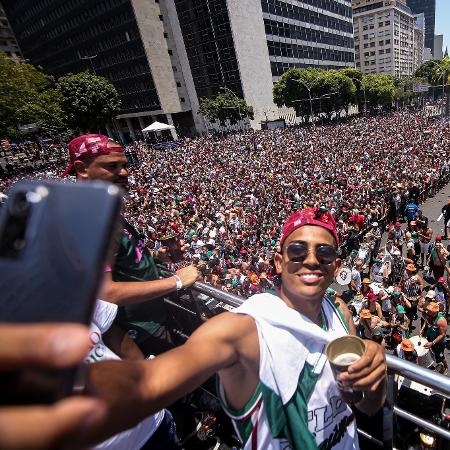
point(261, 210)
point(225, 198)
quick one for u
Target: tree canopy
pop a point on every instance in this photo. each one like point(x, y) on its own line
point(333, 91)
point(89, 101)
point(225, 106)
point(82, 101)
point(28, 96)
point(326, 91)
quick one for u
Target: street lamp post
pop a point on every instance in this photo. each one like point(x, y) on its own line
point(310, 99)
point(364, 91)
point(90, 58)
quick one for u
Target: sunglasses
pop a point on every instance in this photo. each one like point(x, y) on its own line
point(297, 253)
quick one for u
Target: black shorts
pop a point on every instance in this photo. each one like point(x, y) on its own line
point(438, 351)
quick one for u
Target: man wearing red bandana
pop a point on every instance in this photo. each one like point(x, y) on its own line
point(135, 282)
point(275, 381)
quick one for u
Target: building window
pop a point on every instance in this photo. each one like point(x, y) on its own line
point(170, 52)
point(166, 35)
point(178, 84)
point(182, 100)
point(161, 17)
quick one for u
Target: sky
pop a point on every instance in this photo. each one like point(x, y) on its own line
point(443, 21)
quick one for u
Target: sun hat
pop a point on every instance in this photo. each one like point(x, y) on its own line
point(411, 268)
point(400, 309)
point(407, 345)
point(365, 314)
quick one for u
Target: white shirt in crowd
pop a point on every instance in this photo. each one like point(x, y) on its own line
point(136, 437)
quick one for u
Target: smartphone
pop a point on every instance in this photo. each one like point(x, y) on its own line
point(54, 242)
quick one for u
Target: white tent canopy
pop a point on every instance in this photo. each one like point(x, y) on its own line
point(157, 126)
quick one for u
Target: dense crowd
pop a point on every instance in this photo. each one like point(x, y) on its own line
point(227, 197)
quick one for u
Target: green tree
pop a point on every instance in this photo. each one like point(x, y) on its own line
point(426, 70)
point(356, 76)
point(295, 88)
point(27, 96)
point(225, 106)
point(380, 90)
point(441, 76)
point(404, 89)
point(322, 91)
point(89, 101)
point(335, 92)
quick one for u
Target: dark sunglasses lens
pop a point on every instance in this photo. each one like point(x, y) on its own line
point(297, 252)
point(326, 254)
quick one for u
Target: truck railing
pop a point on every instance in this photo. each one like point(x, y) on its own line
point(197, 308)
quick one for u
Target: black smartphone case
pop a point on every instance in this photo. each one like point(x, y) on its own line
point(68, 232)
point(54, 241)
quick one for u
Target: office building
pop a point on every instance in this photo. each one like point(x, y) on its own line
point(387, 38)
point(8, 43)
point(165, 55)
point(419, 39)
point(126, 41)
point(428, 8)
point(438, 46)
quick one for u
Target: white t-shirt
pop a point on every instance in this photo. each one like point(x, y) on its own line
point(136, 437)
point(356, 278)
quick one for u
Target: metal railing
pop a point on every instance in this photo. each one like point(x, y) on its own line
point(396, 367)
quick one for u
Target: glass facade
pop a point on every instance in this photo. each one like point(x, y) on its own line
point(309, 33)
point(208, 39)
point(428, 8)
point(58, 34)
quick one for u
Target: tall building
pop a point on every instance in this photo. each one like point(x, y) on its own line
point(438, 46)
point(428, 8)
point(386, 37)
point(165, 55)
point(419, 39)
point(8, 43)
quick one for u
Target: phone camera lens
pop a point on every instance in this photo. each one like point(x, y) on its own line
point(19, 206)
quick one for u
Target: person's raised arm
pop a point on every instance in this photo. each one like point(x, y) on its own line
point(152, 385)
point(131, 292)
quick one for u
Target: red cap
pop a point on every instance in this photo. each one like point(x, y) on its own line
point(88, 146)
point(398, 224)
point(309, 216)
point(438, 238)
point(441, 280)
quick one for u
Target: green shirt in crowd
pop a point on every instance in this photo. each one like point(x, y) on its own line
point(134, 263)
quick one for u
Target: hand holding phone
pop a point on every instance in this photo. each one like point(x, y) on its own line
point(54, 240)
point(52, 347)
